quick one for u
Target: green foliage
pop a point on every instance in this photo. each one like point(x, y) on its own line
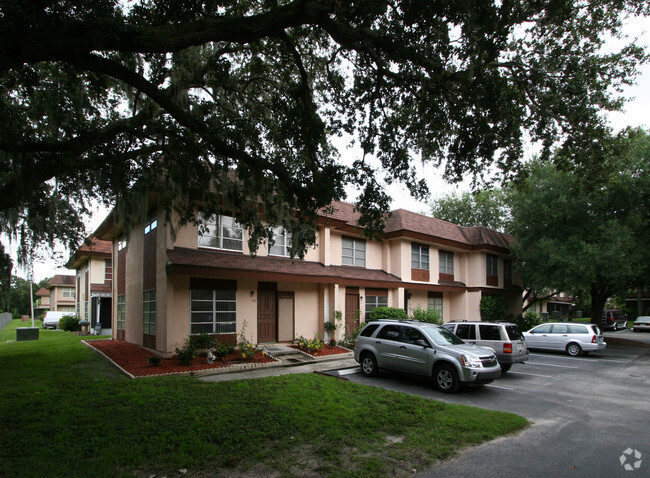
point(349, 337)
point(187, 353)
point(393, 313)
point(427, 315)
point(329, 326)
point(221, 349)
point(487, 208)
point(163, 424)
point(581, 229)
point(120, 105)
point(202, 341)
point(155, 360)
point(246, 347)
point(69, 323)
point(527, 320)
point(310, 345)
point(493, 307)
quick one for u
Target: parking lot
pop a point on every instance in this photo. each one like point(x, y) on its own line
point(589, 415)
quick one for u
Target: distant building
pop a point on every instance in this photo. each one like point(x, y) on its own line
point(94, 275)
point(42, 303)
point(62, 293)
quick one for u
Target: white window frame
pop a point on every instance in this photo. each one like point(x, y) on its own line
point(375, 301)
point(492, 265)
point(121, 312)
point(212, 236)
point(420, 256)
point(149, 312)
point(69, 293)
point(281, 242)
point(151, 225)
point(446, 262)
point(215, 303)
point(356, 249)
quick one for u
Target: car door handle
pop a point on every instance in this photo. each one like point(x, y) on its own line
point(402, 346)
point(471, 342)
point(377, 341)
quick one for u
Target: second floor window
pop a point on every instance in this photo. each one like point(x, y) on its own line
point(108, 270)
point(354, 252)
point(281, 243)
point(68, 293)
point(221, 232)
point(447, 262)
point(492, 265)
point(419, 257)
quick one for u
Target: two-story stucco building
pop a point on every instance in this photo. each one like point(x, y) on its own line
point(94, 274)
point(62, 293)
point(166, 290)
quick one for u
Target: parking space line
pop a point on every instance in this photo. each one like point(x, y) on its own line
point(593, 359)
point(550, 365)
point(531, 374)
point(498, 386)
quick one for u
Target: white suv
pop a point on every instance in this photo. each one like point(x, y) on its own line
point(424, 349)
point(504, 338)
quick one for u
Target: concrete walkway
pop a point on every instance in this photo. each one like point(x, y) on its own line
point(290, 361)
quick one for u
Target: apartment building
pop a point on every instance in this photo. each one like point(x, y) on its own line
point(168, 286)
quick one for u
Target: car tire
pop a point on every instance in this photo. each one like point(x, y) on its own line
point(573, 349)
point(505, 367)
point(445, 379)
point(368, 365)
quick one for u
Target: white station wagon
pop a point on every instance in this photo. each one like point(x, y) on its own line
point(574, 339)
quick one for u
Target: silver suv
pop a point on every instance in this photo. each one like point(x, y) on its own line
point(424, 349)
point(504, 338)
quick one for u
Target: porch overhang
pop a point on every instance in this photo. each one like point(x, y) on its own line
point(217, 264)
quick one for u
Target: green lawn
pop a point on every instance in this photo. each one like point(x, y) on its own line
point(66, 412)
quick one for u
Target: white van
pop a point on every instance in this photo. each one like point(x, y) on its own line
point(51, 319)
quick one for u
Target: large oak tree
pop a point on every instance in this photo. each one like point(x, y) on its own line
point(237, 102)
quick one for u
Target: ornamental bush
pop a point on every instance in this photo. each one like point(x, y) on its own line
point(387, 313)
point(429, 315)
point(69, 323)
point(493, 308)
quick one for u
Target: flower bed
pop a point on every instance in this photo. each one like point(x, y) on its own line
point(324, 351)
point(134, 359)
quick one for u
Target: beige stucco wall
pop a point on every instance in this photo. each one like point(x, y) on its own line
point(133, 304)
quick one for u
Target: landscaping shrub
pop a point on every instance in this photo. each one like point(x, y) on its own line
point(220, 349)
point(310, 345)
point(69, 323)
point(387, 313)
point(493, 308)
point(527, 320)
point(187, 353)
point(429, 315)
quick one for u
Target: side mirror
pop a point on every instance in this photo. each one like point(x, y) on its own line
point(421, 343)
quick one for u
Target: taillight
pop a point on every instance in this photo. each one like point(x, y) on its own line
point(507, 348)
point(593, 339)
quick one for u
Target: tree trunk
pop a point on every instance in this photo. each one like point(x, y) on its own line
point(599, 297)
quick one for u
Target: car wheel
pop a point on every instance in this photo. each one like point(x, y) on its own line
point(368, 365)
point(505, 367)
point(445, 379)
point(573, 349)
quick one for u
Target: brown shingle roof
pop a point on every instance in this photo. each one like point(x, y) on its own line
point(95, 248)
point(43, 291)
point(61, 280)
point(216, 263)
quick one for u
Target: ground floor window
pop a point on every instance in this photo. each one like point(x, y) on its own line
point(149, 312)
point(213, 311)
point(375, 299)
point(121, 312)
point(434, 302)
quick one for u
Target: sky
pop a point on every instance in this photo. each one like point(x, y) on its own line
point(636, 113)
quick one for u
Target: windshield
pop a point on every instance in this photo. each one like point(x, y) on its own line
point(442, 336)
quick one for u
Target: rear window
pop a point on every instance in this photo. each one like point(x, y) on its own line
point(368, 331)
point(595, 328)
point(514, 333)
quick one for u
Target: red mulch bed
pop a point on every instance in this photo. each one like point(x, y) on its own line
point(133, 359)
point(326, 350)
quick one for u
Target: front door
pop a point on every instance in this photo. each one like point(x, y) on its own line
point(351, 308)
point(267, 322)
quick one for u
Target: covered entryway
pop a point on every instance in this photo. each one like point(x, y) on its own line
point(267, 317)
